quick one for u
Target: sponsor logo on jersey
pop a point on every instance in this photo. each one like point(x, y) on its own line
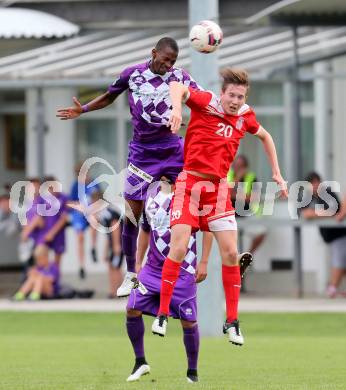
point(138, 172)
point(239, 123)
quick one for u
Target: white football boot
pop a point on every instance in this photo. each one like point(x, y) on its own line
point(159, 326)
point(138, 372)
point(233, 331)
point(130, 281)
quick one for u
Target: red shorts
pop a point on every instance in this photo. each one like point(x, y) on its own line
point(204, 204)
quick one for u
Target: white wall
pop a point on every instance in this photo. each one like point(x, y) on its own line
point(70, 260)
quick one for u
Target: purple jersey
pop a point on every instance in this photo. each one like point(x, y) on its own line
point(149, 99)
point(52, 270)
point(31, 214)
point(56, 201)
point(157, 220)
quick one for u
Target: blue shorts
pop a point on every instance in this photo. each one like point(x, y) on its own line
point(78, 222)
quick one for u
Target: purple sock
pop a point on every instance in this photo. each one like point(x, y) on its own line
point(191, 341)
point(135, 331)
point(129, 243)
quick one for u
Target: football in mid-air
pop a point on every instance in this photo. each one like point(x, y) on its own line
point(206, 36)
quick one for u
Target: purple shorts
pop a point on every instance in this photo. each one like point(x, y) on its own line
point(184, 300)
point(147, 162)
point(57, 245)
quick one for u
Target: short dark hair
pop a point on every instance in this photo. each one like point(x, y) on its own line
point(243, 158)
point(234, 76)
point(34, 180)
point(49, 178)
point(167, 42)
point(313, 176)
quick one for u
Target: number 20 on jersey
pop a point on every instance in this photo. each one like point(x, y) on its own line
point(224, 130)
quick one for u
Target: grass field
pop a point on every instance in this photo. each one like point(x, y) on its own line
point(91, 351)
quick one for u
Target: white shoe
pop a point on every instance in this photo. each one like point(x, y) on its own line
point(159, 326)
point(143, 369)
point(127, 285)
point(234, 334)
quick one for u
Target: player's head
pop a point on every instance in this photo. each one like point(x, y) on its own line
point(315, 179)
point(235, 84)
point(240, 163)
point(34, 187)
point(41, 254)
point(164, 55)
point(50, 187)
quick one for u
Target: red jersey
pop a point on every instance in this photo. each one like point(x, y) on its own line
point(213, 137)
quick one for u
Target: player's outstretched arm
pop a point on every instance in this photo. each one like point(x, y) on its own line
point(178, 92)
point(77, 109)
point(202, 266)
point(270, 150)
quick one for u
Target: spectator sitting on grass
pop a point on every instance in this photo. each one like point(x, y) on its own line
point(43, 278)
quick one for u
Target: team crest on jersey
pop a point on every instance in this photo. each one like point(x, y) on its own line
point(239, 123)
point(138, 80)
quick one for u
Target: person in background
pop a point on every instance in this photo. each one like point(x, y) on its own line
point(111, 219)
point(29, 233)
point(241, 181)
point(335, 237)
point(43, 278)
point(79, 223)
point(51, 228)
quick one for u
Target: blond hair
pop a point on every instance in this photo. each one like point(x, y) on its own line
point(234, 76)
point(41, 255)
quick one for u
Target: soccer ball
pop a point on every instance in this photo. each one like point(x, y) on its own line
point(206, 36)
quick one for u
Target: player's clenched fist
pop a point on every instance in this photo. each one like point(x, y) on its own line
point(175, 120)
point(70, 112)
point(201, 271)
point(282, 185)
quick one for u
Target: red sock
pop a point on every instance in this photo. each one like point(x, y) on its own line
point(231, 284)
point(170, 274)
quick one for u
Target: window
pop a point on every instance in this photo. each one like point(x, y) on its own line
point(15, 141)
point(307, 145)
point(97, 138)
point(265, 94)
